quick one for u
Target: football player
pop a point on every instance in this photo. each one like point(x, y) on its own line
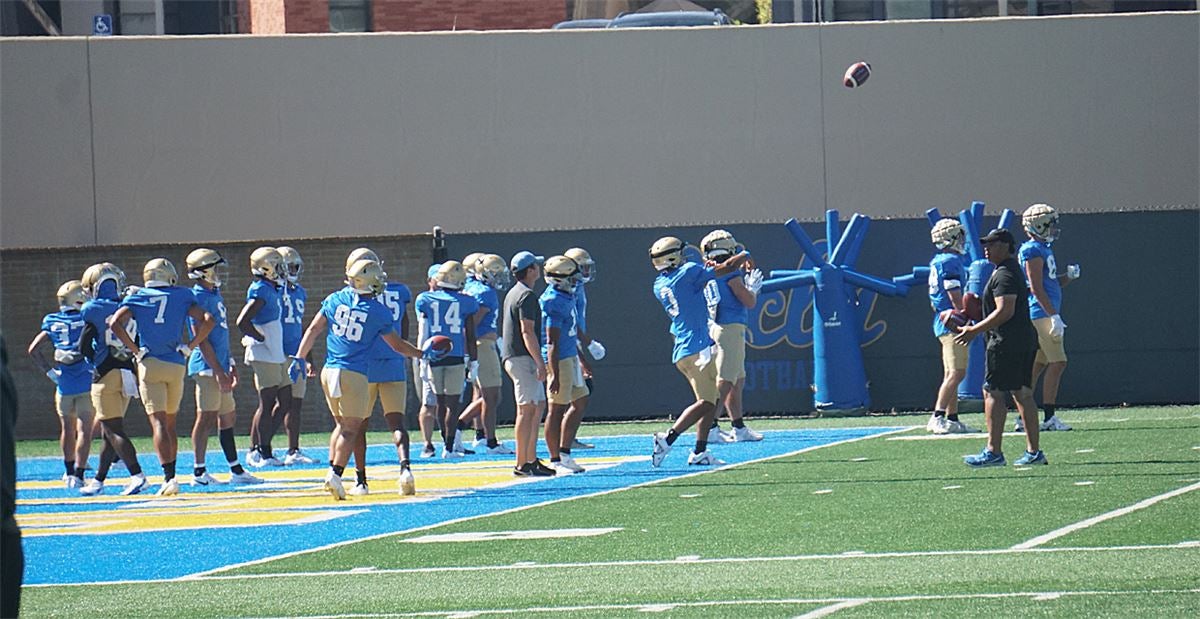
point(947, 276)
point(471, 415)
point(1045, 305)
point(449, 312)
point(291, 398)
point(560, 351)
point(161, 309)
point(679, 287)
point(113, 381)
point(427, 417)
point(729, 298)
point(72, 376)
point(490, 276)
point(355, 320)
point(262, 336)
point(574, 417)
point(211, 366)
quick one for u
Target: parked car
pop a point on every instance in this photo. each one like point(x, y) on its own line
point(666, 19)
point(575, 24)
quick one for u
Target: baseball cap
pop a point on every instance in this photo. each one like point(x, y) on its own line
point(523, 259)
point(998, 235)
point(433, 269)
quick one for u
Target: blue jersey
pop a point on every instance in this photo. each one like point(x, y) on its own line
point(292, 298)
point(445, 312)
point(64, 329)
point(486, 296)
point(681, 292)
point(272, 305)
point(387, 365)
point(723, 307)
point(161, 314)
point(945, 267)
point(581, 308)
point(355, 322)
point(211, 302)
point(96, 313)
point(1040, 249)
point(558, 310)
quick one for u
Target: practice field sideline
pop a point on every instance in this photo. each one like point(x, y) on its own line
point(852, 522)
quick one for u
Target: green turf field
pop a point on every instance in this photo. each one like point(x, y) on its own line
point(880, 527)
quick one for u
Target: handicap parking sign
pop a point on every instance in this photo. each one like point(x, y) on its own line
point(102, 25)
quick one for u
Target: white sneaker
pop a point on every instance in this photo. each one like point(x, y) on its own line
point(448, 454)
point(479, 444)
point(1054, 424)
point(934, 423)
point(92, 488)
point(359, 490)
point(70, 481)
point(717, 435)
point(661, 449)
point(704, 459)
point(568, 464)
point(272, 461)
point(500, 450)
point(244, 478)
point(958, 427)
point(204, 479)
point(1019, 426)
point(745, 435)
point(428, 452)
point(298, 457)
point(408, 485)
point(458, 443)
point(136, 484)
point(333, 484)
point(254, 459)
point(170, 488)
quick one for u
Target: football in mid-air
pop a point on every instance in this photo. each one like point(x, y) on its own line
point(954, 319)
point(857, 74)
point(973, 306)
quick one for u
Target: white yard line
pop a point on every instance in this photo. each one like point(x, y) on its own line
point(1116, 513)
point(825, 611)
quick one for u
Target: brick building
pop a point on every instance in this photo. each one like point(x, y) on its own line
point(312, 16)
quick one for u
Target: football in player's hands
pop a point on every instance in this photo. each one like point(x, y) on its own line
point(856, 75)
point(973, 305)
point(954, 319)
point(437, 347)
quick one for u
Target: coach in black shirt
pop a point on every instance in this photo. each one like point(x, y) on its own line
point(1011, 348)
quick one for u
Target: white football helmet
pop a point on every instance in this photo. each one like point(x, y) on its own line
point(1041, 220)
point(266, 262)
point(666, 253)
point(71, 295)
point(159, 272)
point(719, 245)
point(948, 233)
point(362, 253)
point(366, 277)
point(451, 275)
point(561, 272)
point(471, 263)
point(292, 262)
point(493, 271)
point(208, 265)
point(587, 266)
point(98, 274)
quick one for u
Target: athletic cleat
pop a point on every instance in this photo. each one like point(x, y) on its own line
point(92, 488)
point(578, 444)
point(717, 435)
point(661, 449)
point(450, 454)
point(984, 458)
point(298, 457)
point(745, 435)
point(244, 478)
point(479, 444)
point(428, 452)
point(71, 481)
point(169, 488)
point(1019, 426)
point(254, 459)
point(523, 471)
point(204, 479)
point(704, 458)
point(458, 443)
point(359, 490)
point(936, 424)
point(136, 484)
point(272, 461)
point(568, 465)
point(408, 485)
point(465, 452)
point(538, 469)
point(958, 427)
point(500, 450)
point(1038, 457)
point(1054, 424)
point(333, 485)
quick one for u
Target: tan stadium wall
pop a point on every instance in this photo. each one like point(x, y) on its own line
point(201, 139)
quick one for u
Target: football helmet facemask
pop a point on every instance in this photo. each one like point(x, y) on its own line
point(719, 245)
point(587, 266)
point(948, 233)
point(71, 295)
point(266, 263)
point(97, 274)
point(159, 272)
point(1041, 220)
point(451, 275)
point(362, 253)
point(666, 253)
point(292, 262)
point(561, 272)
point(208, 265)
point(493, 271)
point(366, 277)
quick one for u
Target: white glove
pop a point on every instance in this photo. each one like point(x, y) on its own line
point(1073, 271)
point(248, 341)
point(141, 354)
point(597, 350)
point(472, 370)
point(184, 350)
point(754, 281)
point(1057, 326)
point(704, 357)
point(54, 374)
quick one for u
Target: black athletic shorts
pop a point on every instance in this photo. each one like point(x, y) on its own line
point(1008, 369)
